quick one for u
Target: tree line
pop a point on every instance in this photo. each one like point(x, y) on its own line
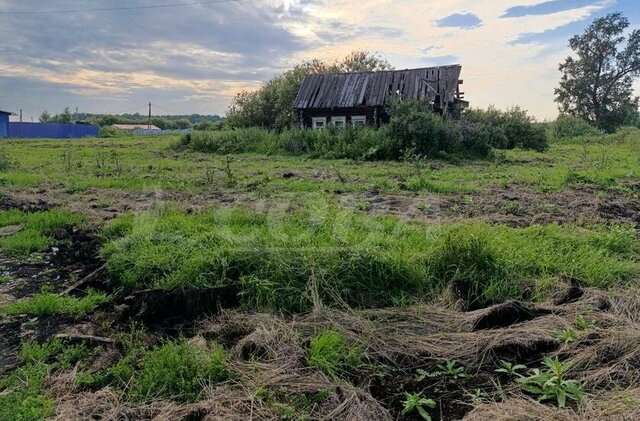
point(164, 122)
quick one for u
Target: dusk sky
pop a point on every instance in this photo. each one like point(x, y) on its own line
point(192, 58)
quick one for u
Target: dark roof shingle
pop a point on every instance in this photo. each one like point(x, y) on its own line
point(348, 90)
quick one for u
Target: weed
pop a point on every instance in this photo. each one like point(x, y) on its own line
point(46, 303)
point(566, 336)
point(583, 323)
point(291, 406)
point(5, 162)
point(329, 352)
point(177, 370)
point(510, 368)
point(448, 369)
point(552, 383)
point(24, 395)
point(414, 402)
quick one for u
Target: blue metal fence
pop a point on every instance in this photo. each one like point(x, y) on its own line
point(51, 130)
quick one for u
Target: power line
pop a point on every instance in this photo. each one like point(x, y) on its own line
point(118, 9)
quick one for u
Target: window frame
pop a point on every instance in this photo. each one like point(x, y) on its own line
point(358, 119)
point(341, 118)
point(316, 120)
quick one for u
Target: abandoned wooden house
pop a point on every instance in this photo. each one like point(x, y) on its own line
point(359, 99)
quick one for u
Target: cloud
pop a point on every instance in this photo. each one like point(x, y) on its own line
point(547, 7)
point(194, 58)
point(459, 20)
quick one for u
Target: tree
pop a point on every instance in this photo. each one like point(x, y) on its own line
point(64, 116)
point(45, 117)
point(270, 106)
point(597, 85)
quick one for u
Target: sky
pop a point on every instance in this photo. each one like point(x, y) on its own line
point(193, 58)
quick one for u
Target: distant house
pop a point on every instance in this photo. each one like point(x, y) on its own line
point(359, 99)
point(138, 129)
point(4, 123)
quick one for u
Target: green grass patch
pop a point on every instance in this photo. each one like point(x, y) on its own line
point(281, 259)
point(176, 370)
point(37, 230)
point(47, 303)
point(329, 352)
point(23, 393)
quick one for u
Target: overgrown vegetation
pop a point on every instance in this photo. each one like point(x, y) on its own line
point(364, 261)
point(412, 131)
point(35, 231)
point(23, 393)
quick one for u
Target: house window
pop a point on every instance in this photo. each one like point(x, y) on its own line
point(319, 123)
point(339, 122)
point(358, 121)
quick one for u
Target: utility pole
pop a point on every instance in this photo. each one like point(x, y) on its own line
point(149, 127)
point(20, 115)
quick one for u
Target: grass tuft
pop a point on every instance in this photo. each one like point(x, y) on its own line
point(46, 303)
point(37, 231)
point(329, 352)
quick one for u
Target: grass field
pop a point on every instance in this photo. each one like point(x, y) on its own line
point(141, 280)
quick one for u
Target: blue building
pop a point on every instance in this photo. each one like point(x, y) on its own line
point(4, 123)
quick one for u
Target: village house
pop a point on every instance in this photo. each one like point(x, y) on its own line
point(359, 99)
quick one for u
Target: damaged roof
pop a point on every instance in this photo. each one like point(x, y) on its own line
point(349, 90)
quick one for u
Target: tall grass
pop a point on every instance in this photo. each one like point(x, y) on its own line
point(282, 260)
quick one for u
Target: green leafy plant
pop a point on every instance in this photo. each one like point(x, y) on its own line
point(449, 368)
point(566, 336)
point(414, 402)
point(551, 383)
point(510, 368)
point(583, 323)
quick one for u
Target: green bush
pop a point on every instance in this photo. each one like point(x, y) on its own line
point(413, 129)
point(111, 132)
point(566, 127)
point(178, 371)
point(512, 128)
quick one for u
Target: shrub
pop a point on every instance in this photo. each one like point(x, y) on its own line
point(510, 129)
point(179, 371)
point(329, 352)
point(229, 141)
point(111, 132)
point(567, 126)
point(414, 129)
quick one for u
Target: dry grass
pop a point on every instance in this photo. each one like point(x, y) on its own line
point(268, 353)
